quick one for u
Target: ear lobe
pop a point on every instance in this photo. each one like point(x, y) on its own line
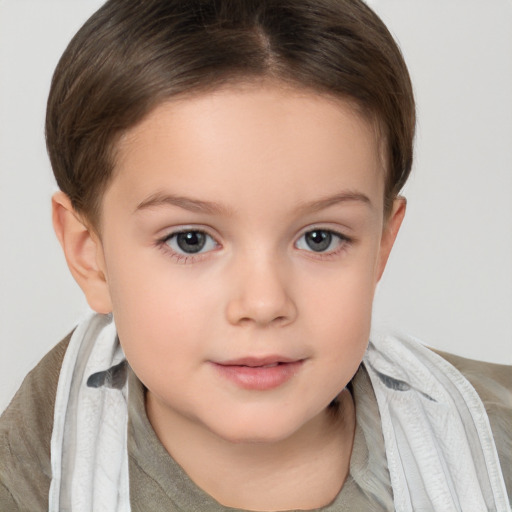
point(390, 232)
point(83, 251)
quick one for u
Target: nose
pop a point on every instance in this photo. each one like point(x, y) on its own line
point(260, 294)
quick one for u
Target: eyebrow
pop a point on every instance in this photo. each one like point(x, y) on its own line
point(211, 207)
point(187, 203)
point(342, 197)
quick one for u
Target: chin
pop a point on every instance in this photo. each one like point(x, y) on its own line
point(261, 430)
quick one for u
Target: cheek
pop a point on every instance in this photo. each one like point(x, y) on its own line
point(159, 316)
point(339, 311)
point(146, 286)
point(341, 293)
point(346, 328)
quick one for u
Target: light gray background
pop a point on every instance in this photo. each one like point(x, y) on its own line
point(449, 280)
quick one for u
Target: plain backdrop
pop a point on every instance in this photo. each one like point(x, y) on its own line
point(449, 280)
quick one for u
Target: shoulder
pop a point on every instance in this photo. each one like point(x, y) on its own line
point(488, 379)
point(25, 435)
point(493, 383)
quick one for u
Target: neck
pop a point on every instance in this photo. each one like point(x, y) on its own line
point(304, 471)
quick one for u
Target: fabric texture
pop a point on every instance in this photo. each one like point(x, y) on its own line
point(89, 457)
point(158, 483)
point(439, 444)
point(25, 433)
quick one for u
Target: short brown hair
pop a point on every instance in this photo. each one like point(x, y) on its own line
point(132, 55)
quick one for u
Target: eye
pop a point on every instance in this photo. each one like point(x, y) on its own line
point(190, 242)
point(321, 240)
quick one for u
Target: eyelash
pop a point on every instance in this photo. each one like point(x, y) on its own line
point(163, 243)
point(184, 257)
point(343, 243)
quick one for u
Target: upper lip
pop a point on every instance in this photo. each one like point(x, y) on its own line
point(258, 361)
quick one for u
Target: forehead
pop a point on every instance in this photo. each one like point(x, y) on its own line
point(251, 137)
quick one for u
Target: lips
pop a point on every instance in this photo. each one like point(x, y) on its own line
point(258, 362)
point(259, 373)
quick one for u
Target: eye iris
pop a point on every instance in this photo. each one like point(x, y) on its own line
point(318, 240)
point(191, 241)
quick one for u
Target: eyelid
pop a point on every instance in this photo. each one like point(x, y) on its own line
point(344, 240)
point(182, 256)
point(322, 227)
point(168, 232)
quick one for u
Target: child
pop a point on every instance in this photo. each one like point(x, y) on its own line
point(230, 175)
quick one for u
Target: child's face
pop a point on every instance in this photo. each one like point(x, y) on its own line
point(242, 240)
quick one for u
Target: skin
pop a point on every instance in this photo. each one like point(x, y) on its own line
point(256, 168)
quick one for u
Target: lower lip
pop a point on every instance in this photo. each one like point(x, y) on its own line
point(259, 378)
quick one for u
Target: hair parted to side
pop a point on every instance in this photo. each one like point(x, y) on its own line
point(132, 55)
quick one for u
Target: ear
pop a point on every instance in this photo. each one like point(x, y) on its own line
point(83, 251)
point(391, 226)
